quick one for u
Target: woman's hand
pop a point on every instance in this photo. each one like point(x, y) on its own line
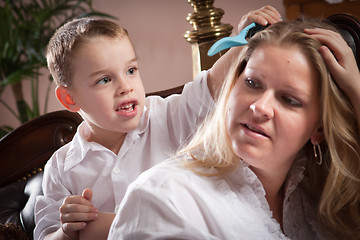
point(341, 62)
point(339, 59)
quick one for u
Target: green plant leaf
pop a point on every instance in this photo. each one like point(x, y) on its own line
point(26, 28)
point(28, 70)
point(4, 130)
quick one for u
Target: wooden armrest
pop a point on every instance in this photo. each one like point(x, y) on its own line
point(167, 92)
point(25, 150)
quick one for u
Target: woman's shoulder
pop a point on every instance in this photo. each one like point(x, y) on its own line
point(170, 170)
point(171, 175)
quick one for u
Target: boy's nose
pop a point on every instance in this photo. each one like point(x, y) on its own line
point(123, 88)
point(125, 91)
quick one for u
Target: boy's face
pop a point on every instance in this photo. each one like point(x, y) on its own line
point(106, 85)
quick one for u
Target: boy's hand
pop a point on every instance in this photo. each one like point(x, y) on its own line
point(75, 212)
point(263, 16)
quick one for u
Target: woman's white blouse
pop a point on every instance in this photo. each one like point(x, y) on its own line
point(169, 202)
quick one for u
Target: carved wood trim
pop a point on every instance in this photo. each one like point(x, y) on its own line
point(24, 151)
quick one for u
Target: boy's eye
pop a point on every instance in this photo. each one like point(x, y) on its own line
point(103, 81)
point(131, 71)
point(251, 83)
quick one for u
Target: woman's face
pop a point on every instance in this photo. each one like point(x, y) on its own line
point(274, 107)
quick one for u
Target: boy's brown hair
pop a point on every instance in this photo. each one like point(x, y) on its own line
point(70, 37)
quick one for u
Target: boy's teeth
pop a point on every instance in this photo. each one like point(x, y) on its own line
point(128, 108)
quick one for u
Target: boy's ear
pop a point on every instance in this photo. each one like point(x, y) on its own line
point(65, 98)
point(318, 136)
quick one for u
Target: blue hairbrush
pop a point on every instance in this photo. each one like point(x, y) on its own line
point(239, 40)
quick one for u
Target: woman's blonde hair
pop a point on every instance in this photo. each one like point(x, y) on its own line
point(338, 176)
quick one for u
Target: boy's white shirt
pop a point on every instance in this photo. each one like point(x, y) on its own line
point(165, 125)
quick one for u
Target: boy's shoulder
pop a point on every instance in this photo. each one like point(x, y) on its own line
point(71, 150)
point(59, 156)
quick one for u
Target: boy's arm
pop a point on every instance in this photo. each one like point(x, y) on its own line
point(217, 74)
point(98, 229)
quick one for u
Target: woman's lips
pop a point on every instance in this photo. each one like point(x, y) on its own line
point(256, 130)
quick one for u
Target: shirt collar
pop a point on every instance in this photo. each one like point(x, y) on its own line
point(143, 124)
point(78, 149)
point(79, 146)
point(296, 174)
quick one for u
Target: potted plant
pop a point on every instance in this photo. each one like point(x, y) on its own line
point(26, 27)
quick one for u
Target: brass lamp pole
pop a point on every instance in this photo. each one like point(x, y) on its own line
point(207, 29)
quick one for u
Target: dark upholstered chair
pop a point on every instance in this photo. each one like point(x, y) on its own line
point(349, 27)
point(24, 151)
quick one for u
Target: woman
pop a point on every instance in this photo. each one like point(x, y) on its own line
point(278, 157)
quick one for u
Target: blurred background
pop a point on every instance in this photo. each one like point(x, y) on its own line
point(157, 30)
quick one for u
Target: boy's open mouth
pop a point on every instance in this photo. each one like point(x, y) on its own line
point(128, 107)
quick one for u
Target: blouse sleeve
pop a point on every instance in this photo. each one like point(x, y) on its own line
point(158, 213)
point(179, 115)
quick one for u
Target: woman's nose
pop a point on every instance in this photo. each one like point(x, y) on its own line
point(263, 107)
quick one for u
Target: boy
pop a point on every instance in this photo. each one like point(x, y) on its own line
point(94, 66)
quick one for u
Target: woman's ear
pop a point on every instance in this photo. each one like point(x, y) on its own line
point(318, 136)
point(65, 98)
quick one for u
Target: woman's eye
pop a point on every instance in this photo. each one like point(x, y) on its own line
point(291, 101)
point(131, 71)
point(251, 83)
point(103, 81)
